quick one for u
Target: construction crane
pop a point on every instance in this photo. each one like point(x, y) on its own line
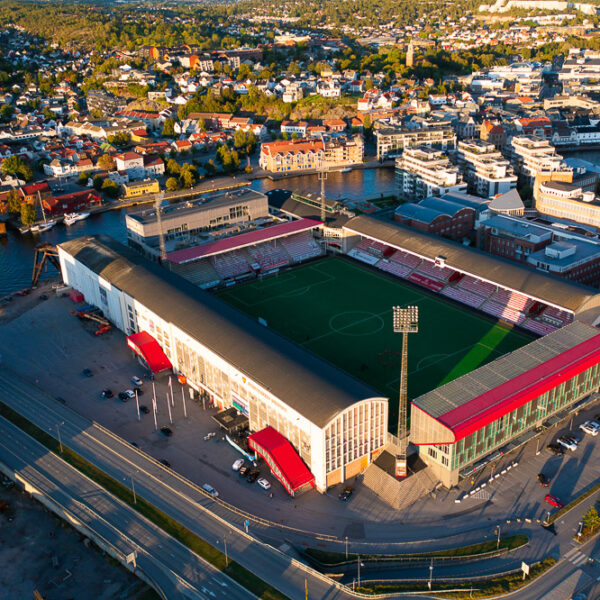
point(43, 252)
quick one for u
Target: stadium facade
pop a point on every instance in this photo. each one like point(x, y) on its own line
point(486, 411)
point(336, 424)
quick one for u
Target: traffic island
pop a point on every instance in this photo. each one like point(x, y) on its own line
point(476, 588)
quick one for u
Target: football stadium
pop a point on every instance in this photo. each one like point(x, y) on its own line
point(296, 335)
point(342, 311)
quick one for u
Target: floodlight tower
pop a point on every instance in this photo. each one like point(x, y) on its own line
point(406, 320)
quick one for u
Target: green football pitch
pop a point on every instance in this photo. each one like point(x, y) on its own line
point(342, 312)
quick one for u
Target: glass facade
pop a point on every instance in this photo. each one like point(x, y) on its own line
point(502, 430)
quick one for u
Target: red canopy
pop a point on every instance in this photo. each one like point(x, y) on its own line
point(144, 345)
point(284, 461)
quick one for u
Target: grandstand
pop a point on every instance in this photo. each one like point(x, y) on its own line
point(231, 259)
point(518, 295)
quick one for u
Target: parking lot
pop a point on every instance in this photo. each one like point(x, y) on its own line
point(52, 347)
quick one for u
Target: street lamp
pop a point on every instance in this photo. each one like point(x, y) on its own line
point(498, 540)
point(132, 487)
point(346, 547)
point(58, 432)
point(358, 566)
point(430, 575)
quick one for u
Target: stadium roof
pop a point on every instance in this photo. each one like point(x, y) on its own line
point(475, 400)
point(561, 293)
point(311, 386)
point(241, 241)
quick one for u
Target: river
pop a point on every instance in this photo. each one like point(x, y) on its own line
point(17, 251)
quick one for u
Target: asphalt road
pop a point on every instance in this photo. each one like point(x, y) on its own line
point(175, 569)
point(184, 502)
point(167, 491)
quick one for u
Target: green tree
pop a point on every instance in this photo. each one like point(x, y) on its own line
point(168, 129)
point(97, 182)
point(14, 201)
point(110, 188)
point(28, 214)
point(82, 179)
point(591, 520)
point(173, 167)
point(189, 176)
point(15, 165)
point(6, 112)
point(172, 184)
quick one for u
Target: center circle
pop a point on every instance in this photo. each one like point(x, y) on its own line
point(356, 323)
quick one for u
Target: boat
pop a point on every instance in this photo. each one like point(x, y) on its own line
point(346, 170)
point(43, 226)
point(73, 217)
point(39, 227)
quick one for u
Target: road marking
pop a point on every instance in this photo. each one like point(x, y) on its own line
point(571, 552)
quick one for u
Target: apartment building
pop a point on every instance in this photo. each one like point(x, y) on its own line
point(575, 201)
point(391, 141)
point(424, 172)
point(533, 157)
point(310, 154)
point(486, 171)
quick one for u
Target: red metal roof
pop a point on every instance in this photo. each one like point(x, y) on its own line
point(149, 349)
point(239, 241)
point(509, 396)
point(284, 461)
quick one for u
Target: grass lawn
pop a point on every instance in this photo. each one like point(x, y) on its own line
point(342, 311)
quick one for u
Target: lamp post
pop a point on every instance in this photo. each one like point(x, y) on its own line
point(137, 403)
point(498, 539)
point(58, 433)
point(405, 321)
point(346, 547)
point(430, 575)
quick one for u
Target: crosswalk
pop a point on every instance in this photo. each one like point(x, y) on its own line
point(576, 557)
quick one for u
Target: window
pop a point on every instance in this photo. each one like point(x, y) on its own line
point(103, 296)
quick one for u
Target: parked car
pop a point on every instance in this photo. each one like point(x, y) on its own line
point(165, 462)
point(590, 427)
point(144, 409)
point(567, 443)
point(237, 464)
point(138, 390)
point(543, 479)
point(87, 373)
point(123, 397)
point(107, 393)
point(253, 476)
point(136, 381)
point(556, 449)
point(264, 483)
point(243, 470)
point(345, 494)
point(129, 393)
point(210, 489)
point(166, 431)
point(553, 500)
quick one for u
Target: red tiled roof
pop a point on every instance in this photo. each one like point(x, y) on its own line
point(294, 146)
point(239, 241)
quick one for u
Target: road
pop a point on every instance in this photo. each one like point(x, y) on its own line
point(187, 504)
point(175, 569)
point(167, 491)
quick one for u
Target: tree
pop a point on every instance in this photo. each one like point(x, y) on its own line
point(28, 214)
point(14, 200)
point(98, 181)
point(110, 188)
point(106, 162)
point(82, 179)
point(6, 112)
point(591, 520)
point(168, 129)
point(15, 165)
point(173, 167)
point(172, 184)
point(188, 176)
